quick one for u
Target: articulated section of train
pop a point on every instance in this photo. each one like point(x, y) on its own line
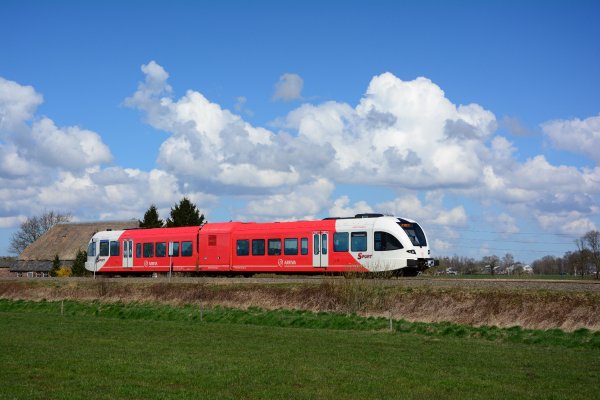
point(364, 243)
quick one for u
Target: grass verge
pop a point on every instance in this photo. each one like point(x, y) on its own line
point(581, 338)
point(116, 351)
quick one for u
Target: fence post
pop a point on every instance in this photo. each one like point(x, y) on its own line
point(391, 326)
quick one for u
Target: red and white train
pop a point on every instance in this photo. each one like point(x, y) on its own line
point(364, 243)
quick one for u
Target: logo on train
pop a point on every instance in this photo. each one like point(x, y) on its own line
point(281, 262)
point(362, 255)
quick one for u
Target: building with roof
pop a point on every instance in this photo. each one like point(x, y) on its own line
point(64, 240)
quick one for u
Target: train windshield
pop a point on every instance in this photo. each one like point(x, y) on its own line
point(414, 232)
point(92, 249)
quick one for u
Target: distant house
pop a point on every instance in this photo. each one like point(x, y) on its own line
point(64, 240)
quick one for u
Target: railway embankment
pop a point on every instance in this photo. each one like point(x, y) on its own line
point(493, 305)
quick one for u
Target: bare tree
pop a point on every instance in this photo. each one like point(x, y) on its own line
point(581, 260)
point(547, 265)
point(592, 240)
point(492, 262)
point(577, 261)
point(34, 227)
point(507, 262)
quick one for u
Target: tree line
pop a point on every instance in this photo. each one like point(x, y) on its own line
point(490, 264)
point(583, 261)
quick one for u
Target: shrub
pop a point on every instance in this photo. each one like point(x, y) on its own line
point(63, 272)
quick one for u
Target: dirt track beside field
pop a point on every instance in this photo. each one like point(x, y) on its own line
point(529, 304)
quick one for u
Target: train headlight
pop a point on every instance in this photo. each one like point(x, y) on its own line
point(411, 251)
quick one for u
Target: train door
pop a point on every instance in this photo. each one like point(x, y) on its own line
point(320, 249)
point(127, 253)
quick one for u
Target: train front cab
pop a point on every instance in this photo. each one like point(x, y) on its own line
point(420, 245)
point(102, 246)
point(393, 245)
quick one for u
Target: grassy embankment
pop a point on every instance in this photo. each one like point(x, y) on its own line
point(491, 306)
point(96, 350)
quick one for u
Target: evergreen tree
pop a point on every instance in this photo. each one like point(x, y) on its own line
point(55, 266)
point(151, 219)
point(185, 214)
point(78, 268)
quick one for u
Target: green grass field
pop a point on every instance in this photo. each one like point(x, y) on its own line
point(109, 351)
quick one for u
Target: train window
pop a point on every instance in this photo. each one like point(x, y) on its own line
point(324, 243)
point(161, 249)
point(290, 247)
point(138, 250)
point(340, 241)
point(258, 247)
point(103, 248)
point(148, 249)
point(358, 241)
point(92, 249)
point(316, 246)
point(304, 246)
point(127, 248)
point(385, 242)
point(274, 247)
point(115, 248)
point(242, 247)
point(187, 249)
point(414, 232)
point(175, 249)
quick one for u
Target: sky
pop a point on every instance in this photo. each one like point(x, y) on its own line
point(478, 119)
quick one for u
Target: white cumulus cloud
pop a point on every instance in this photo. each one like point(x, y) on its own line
point(17, 104)
point(71, 148)
point(289, 87)
point(303, 202)
point(576, 135)
point(431, 211)
point(342, 207)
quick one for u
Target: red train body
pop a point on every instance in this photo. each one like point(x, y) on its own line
point(369, 243)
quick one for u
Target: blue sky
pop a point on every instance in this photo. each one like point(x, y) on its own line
point(478, 119)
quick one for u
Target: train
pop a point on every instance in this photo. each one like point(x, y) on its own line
point(369, 243)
